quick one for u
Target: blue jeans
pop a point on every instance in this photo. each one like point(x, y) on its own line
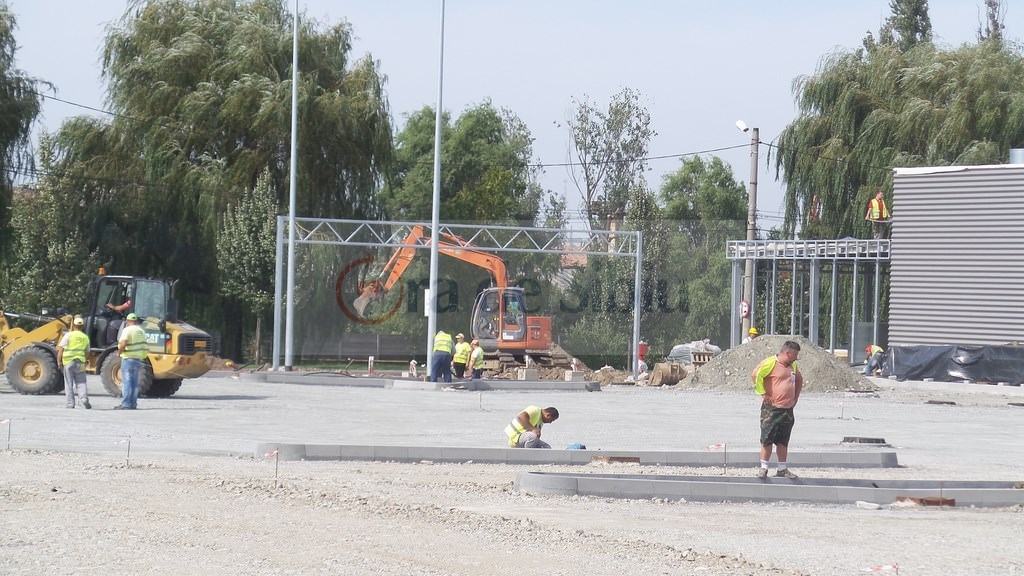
point(130, 381)
point(441, 365)
point(873, 363)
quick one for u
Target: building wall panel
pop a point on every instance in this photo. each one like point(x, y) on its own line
point(957, 270)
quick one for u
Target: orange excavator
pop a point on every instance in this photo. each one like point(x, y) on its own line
point(499, 318)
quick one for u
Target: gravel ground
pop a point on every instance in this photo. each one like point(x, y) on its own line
point(80, 508)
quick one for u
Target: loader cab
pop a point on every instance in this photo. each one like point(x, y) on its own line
point(499, 317)
point(147, 297)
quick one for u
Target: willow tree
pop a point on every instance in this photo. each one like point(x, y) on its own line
point(201, 91)
point(867, 111)
point(20, 103)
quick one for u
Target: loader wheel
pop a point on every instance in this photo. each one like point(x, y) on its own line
point(110, 374)
point(33, 370)
point(164, 387)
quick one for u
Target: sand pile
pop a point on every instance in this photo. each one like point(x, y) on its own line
point(731, 369)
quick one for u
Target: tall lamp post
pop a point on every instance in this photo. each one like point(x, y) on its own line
point(435, 213)
point(748, 267)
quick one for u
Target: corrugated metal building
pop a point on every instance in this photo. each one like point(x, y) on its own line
point(957, 270)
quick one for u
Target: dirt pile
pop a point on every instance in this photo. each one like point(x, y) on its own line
point(731, 369)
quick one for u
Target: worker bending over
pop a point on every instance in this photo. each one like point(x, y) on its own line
point(524, 430)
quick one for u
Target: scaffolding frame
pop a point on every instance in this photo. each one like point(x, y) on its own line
point(809, 259)
point(484, 238)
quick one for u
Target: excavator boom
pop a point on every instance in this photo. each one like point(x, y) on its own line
point(499, 320)
point(447, 244)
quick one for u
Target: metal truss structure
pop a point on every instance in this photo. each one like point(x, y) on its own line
point(484, 238)
point(805, 261)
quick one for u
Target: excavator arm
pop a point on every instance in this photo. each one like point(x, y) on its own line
point(447, 244)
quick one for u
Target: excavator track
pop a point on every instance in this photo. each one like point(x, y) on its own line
point(555, 357)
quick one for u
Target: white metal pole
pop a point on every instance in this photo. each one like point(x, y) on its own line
point(278, 249)
point(435, 215)
point(748, 273)
point(637, 296)
point(289, 323)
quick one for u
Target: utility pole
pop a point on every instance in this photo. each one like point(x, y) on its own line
point(748, 268)
point(435, 213)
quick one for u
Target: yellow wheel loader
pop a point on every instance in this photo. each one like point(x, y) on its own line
point(176, 349)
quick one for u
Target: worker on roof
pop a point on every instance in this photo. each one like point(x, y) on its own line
point(878, 215)
point(751, 335)
point(461, 356)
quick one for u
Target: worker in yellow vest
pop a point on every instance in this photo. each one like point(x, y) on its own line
point(461, 356)
point(476, 360)
point(71, 357)
point(875, 355)
point(878, 215)
point(779, 382)
point(134, 350)
point(441, 362)
point(524, 430)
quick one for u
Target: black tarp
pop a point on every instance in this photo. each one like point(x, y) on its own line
point(991, 364)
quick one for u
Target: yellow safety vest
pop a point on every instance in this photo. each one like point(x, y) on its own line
point(136, 346)
point(462, 351)
point(78, 343)
point(764, 369)
point(476, 358)
point(442, 342)
point(515, 428)
point(874, 350)
point(877, 210)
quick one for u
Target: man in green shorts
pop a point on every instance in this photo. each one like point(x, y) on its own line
point(779, 383)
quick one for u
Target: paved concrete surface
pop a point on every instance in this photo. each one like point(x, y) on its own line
point(386, 381)
point(224, 415)
point(720, 488)
point(707, 458)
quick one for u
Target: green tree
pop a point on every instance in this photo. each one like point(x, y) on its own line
point(686, 276)
point(866, 111)
point(202, 95)
point(486, 171)
point(245, 251)
point(908, 25)
point(610, 149)
point(49, 252)
point(20, 101)
point(705, 206)
point(702, 192)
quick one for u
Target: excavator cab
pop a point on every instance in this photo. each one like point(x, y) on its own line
point(499, 318)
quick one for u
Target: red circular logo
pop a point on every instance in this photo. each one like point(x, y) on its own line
point(340, 296)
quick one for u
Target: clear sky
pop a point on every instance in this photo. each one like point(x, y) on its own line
point(699, 65)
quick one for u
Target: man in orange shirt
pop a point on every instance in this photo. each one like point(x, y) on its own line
point(779, 383)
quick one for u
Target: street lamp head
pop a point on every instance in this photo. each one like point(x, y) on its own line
point(742, 126)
